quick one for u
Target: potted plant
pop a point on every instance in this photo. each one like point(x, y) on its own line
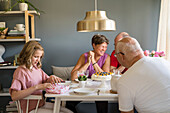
point(24, 5)
point(82, 77)
point(82, 80)
point(5, 5)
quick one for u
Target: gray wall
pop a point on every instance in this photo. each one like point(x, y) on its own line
point(63, 44)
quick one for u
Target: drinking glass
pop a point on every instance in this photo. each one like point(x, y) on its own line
point(116, 72)
point(83, 73)
point(86, 73)
point(80, 73)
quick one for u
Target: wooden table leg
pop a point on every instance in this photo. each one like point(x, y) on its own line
point(57, 105)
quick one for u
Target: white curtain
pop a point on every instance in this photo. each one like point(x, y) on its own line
point(163, 43)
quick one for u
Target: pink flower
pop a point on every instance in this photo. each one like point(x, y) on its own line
point(146, 52)
point(154, 53)
point(161, 53)
point(81, 74)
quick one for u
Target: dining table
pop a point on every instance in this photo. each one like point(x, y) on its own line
point(91, 92)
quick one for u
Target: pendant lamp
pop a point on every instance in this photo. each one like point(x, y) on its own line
point(96, 21)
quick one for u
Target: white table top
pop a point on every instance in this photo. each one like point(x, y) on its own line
point(104, 94)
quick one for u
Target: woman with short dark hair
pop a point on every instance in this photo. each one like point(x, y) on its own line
point(95, 60)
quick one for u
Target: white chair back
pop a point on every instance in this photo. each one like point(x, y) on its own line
point(30, 97)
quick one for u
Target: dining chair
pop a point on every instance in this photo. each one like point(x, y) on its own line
point(30, 97)
point(43, 109)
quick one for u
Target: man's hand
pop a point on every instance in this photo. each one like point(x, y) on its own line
point(121, 68)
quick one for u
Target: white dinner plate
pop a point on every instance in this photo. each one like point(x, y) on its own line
point(84, 90)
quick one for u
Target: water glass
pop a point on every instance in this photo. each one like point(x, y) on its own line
point(83, 73)
point(116, 72)
point(86, 73)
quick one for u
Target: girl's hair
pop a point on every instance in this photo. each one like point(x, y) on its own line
point(27, 53)
point(99, 39)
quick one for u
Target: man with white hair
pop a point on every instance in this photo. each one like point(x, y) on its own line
point(146, 84)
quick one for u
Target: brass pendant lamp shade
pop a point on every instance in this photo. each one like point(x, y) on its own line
point(96, 21)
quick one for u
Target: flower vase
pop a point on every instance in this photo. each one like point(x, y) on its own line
point(82, 84)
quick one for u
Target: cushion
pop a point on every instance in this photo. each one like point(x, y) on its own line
point(62, 72)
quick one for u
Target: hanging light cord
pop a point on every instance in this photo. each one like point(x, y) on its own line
point(95, 5)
